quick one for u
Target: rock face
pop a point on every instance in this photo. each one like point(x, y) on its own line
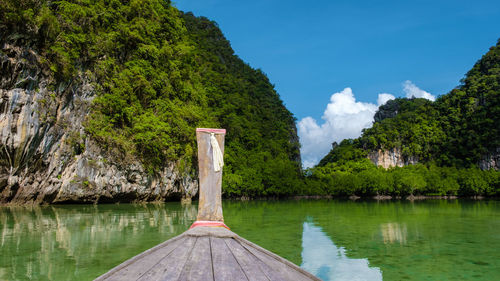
point(391, 158)
point(45, 156)
point(490, 161)
point(388, 110)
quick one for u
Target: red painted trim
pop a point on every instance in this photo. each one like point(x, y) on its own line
point(209, 223)
point(208, 130)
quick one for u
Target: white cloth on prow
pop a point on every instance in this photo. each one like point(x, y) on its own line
point(216, 153)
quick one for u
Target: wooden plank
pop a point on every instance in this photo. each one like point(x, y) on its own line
point(169, 268)
point(136, 266)
point(220, 232)
point(225, 265)
point(209, 202)
point(279, 265)
point(199, 263)
point(253, 267)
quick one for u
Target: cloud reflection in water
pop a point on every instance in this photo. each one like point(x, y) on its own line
point(328, 262)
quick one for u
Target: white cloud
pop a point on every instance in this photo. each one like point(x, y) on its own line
point(411, 90)
point(344, 117)
point(383, 98)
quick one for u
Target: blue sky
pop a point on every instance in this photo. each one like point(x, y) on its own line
point(313, 49)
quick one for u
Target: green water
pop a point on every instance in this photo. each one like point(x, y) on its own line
point(335, 240)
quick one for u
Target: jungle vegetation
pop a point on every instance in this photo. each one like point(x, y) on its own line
point(450, 137)
point(159, 73)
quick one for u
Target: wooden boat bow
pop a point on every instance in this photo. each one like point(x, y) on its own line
point(208, 250)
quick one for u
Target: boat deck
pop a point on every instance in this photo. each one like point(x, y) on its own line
point(207, 253)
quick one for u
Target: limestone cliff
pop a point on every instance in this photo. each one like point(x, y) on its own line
point(45, 155)
point(490, 161)
point(391, 158)
point(394, 158)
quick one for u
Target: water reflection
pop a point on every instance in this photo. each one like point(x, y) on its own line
point(78, 242)
point(327, 261)
point(393, 232)
point(428, 240)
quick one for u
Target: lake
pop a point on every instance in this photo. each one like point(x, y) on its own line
point(333, 239)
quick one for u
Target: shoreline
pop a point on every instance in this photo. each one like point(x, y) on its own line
point(297, 197)
point(389, 197)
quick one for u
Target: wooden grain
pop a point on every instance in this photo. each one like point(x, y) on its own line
point(169, 268)
point(226, 266)
point(136, 266)
point(199, 264)
point(209, 202)
point(220, 232)
point(207, 253)
point(253, 267)
point(284, 268)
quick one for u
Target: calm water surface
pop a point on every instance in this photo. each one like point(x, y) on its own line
point(335, 240)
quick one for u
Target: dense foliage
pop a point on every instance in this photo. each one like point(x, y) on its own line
point(159, 74)
point(449, 137)
point(458, 129)
point(363, 178)
point(415, 129)
point(471, 113)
